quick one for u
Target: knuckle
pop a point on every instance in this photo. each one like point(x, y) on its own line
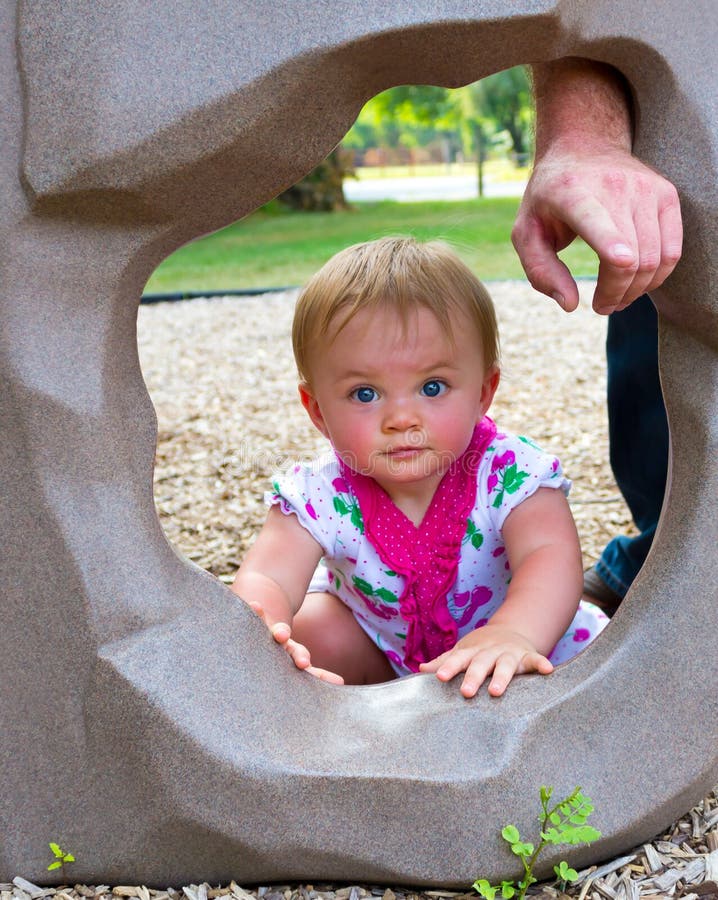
point(649, 261)
point(614, 180)
point(670, 256)
point(566, 180)
point(644, 184)
point(669, 198)
point(538, 275)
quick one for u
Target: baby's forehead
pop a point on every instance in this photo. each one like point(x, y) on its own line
point(402, 319)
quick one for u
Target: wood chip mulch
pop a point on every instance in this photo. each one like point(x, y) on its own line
point(222, 379)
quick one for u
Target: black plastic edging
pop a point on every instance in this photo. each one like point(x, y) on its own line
point(257, 292)
point(196, 295)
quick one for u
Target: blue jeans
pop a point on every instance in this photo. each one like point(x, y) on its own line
point(638, 436)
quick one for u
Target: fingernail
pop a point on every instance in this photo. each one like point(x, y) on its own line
point(623, 250)
point(560, 299)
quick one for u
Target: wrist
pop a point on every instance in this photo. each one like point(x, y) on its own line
point(582, 108)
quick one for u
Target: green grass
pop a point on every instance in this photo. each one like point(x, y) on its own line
point(273, 248)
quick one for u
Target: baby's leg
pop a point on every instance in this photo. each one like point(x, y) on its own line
point(336, 642)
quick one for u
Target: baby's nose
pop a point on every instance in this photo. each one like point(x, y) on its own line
point(401, 416)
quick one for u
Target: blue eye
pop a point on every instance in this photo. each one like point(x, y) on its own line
point(364, 394)
point(433, 388)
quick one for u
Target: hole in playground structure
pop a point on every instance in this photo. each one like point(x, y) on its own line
point(222, 378)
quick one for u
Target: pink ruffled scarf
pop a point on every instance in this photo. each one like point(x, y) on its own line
point(427, 556)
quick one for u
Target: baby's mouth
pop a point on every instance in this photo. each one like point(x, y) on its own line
point(404, 451)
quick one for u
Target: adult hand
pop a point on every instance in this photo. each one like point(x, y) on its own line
point(491, 649)
point(629, 214)
point(586, 182)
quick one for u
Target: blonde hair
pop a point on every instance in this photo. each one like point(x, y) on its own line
point(397, 273)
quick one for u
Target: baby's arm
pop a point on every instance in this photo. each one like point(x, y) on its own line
point(274, 577)
point(545, 558)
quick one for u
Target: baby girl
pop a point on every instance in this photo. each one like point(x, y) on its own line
point(427, 540)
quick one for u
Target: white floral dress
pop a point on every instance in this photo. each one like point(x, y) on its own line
point(416, 590)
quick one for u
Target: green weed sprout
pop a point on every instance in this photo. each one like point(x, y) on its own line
point(564, 823)
point(61, 858)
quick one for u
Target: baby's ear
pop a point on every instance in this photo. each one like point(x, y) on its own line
point(309, 402)
point(488, 387)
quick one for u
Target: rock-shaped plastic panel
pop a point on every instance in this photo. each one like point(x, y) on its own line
point(147, 719)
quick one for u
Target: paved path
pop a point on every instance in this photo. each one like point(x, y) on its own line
point(427, 187)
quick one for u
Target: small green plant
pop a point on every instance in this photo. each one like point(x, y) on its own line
point(564, 823)
point(61, 859)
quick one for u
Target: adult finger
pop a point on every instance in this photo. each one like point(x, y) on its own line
point(648, 244)
point(670, 227)
point(616, 248)
point(545, 271)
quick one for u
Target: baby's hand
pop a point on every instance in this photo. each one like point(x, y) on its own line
point(282, 634)
point(490, 649)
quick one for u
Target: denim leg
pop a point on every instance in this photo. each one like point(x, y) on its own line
point(638, 436)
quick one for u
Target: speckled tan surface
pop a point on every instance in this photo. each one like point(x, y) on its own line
point(147, 720)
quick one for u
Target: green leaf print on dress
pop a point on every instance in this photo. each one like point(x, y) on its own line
point(346, 505)
point(505, 476)
point(366, 591)
point(472, 534)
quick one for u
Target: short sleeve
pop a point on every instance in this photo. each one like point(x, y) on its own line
point(306, 491)
point(513, 469)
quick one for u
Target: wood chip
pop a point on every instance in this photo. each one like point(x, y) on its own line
point(239, 892)
point(689, 874)
point(31, 889)
point(654, 863)
point(711, 873)
point(604, 889)
point(601, 872)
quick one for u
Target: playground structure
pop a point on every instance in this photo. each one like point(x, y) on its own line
point(149, 723)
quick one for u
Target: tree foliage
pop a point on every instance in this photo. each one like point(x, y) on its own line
point(467, 120)
point(503, 102)
point(415, 115)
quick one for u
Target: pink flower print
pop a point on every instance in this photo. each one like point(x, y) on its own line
point(464, 605)
point(502, 460)
point(311, 512)
point(497, 551)
point(581, 634)
point(504, 475)
point(394, 658)
point(340, 486)
point(554, 465)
